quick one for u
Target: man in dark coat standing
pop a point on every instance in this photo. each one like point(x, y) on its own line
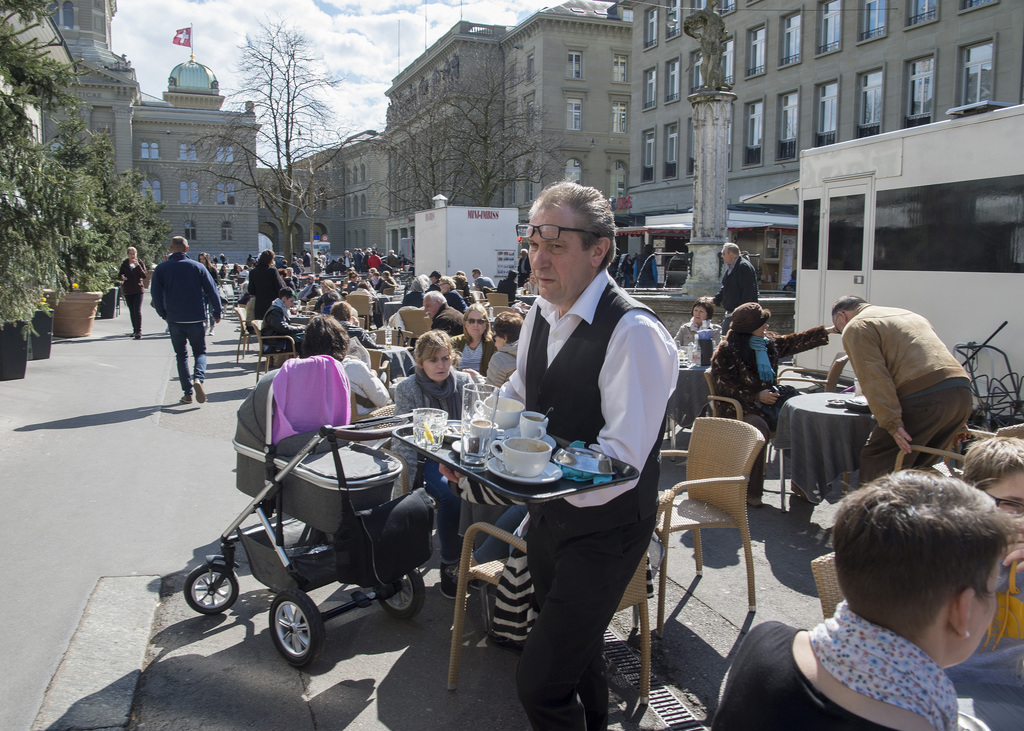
point(524, 267)
point(739, 285)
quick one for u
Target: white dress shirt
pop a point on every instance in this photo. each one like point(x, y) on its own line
point(636, 380)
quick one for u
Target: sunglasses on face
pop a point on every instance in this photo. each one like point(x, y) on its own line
point(475, 322)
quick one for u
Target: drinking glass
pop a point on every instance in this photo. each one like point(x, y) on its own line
point(479, 401)
point(428, 427)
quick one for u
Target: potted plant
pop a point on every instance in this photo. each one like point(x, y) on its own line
point(13, 351)
point(41, 337)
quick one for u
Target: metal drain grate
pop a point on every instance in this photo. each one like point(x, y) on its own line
point(663, 702)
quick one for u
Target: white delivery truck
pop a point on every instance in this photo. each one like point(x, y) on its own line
point(461, 238)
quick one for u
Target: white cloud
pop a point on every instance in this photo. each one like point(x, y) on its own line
point(364, 42)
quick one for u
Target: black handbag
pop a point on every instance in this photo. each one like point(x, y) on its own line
point(381, 544)
point(770, 412)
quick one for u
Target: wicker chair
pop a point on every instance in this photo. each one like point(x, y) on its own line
point(416, 321)
point(714, 400)
point(829, 593)
point(243, 334)
point(718, 463)
point(489, 573)
point(951, 463)
point(829, 381)
point(497, 299)
point(363, 305)
point(271, 359)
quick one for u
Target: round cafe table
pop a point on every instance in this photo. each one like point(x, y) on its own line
point(825, 441)
point(690, 396)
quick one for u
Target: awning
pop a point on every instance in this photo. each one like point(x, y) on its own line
point(787, 194)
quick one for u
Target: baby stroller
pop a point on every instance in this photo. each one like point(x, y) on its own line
point(325, 515)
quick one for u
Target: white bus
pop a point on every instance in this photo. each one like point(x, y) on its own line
point(930, 219)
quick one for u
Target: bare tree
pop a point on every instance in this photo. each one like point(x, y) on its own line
point(284, 148)
point(467, 137)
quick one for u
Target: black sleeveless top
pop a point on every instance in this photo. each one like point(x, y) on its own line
point(570, 385)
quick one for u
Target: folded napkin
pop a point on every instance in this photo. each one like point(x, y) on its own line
point(577, 476)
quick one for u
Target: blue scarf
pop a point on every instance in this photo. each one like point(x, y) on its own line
point(764, 366)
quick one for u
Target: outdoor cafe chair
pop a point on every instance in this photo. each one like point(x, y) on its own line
point(812, 378)
point(718, 462)
point(243, 334)
point(416, 321)
point(363, 305)
point(497, 299)
point(635, 596)
point(951, 464)
point(829, 594)
point(272, 359)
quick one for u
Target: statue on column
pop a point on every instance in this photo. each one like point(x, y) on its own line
point(707, 27)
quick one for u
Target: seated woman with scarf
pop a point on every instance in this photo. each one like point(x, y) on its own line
point(744, 367)
point(916, 557)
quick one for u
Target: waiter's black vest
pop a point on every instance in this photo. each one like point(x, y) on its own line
point(570, 385)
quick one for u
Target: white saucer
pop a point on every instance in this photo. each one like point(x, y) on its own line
point(514, 433)
point(551, 473)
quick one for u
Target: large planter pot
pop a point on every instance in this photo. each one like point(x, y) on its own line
point(73, 317)
point(13, 351)
point(39, 345)
point(108, 305)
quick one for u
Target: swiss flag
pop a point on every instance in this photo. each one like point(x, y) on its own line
point(183, 37)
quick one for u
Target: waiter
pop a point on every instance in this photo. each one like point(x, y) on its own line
point(606, 366)
point(739, 285)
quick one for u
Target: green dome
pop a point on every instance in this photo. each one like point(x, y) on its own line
point(193, 76)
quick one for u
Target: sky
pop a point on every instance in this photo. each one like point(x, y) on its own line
point(359, 40)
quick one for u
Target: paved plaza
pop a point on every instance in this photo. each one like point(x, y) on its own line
point(113, 492)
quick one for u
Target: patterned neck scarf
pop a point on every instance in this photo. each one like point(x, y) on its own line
point(880, 664)
point(764, 366)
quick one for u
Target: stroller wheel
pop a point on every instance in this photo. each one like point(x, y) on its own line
point(296, 627)
point(210, 589)
point(408, 601)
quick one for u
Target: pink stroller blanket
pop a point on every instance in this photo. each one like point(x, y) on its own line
point(309, 393)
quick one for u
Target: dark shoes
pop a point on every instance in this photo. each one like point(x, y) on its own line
point(504, 642)
point(137, 336)
point(754, 501)
point(185, 399)
point(200, 392)
point(799, 492)
point(449, 579)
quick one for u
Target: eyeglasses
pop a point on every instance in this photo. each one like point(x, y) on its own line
point(1010, 506)
point(475, 322)
point(547, 231)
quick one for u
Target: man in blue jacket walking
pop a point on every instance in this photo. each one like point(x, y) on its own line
point(181, 290)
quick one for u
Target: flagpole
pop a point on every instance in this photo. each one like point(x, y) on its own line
point(192, 41)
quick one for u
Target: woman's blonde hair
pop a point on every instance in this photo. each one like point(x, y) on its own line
point(447, 280)
point(430, 344)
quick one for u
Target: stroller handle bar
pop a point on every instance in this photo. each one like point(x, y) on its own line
point(367, 430)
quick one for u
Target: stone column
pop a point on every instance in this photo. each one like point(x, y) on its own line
point(712, 117)
point(122, 137)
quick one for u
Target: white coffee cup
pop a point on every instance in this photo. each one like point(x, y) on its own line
point(480, 427)
point(508, 411)
point(533, 425)
point(522, 457)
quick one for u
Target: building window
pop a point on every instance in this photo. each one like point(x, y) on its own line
point(225, 194)
point(620, 68)
point(673, 21)
point(977, 73)
point(828, 114)
point(619, 177)
point(190, 231)
point(755, 133)
point(830, 29)
point(689, 147)
point(226, 154)
point(188, 192)
point(150, 150)
point(755, 51)
point(788, 125)
point(790, 39)
point(647, 172)
point(619, 116)
point(729, 56)
point(530, 112)
point(574, 114)
point(696, 77)
point(671, 150)
point(672, 80)
point(870, 104)
point(964, 4)
point(650, 27)
point(574, 170)
point(919, 92)
point(225, 231)
point(872, 19)
point(650, 88)
point(362, 172)
point(68, 19)
point(529, 67)
point(921, 11)
point(362, 204)
point(574, 65)
point(186, 152)
point(529, 183)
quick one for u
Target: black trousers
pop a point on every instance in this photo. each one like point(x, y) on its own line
point(134, 304)
point(578, 583)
